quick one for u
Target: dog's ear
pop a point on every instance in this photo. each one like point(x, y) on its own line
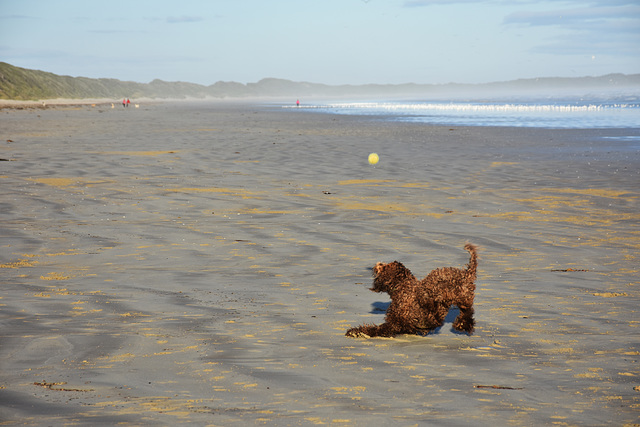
point(378, 268)
point(398, 265)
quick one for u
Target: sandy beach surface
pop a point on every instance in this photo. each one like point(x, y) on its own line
point(200, 263)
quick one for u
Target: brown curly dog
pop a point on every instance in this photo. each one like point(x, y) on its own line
point(418, 307)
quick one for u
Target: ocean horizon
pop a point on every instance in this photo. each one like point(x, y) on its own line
point(582, 113)
point(586, 114)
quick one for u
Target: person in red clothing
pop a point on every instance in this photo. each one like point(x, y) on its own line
point(124, 102)
point(128, 102)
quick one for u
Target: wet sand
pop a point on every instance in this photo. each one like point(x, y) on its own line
point(200, 263)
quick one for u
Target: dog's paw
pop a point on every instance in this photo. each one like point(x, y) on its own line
point(356, 333)
point(352, 333)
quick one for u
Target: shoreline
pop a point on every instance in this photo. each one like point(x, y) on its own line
point(67, 102)
point(201, 263)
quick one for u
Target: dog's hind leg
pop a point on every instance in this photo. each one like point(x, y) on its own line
point(465, 321)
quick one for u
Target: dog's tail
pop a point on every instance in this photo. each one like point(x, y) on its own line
point(473, 261)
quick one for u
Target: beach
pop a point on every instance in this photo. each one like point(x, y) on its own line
point(201, 262)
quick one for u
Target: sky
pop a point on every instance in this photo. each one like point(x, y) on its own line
point(322, 41)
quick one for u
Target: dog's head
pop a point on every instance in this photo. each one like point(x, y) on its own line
point(388, 277)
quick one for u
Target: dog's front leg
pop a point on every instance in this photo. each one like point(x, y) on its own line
point(356, 333)
point(368, 331)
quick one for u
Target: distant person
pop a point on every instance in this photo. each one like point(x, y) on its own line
point(128, 102)
point(298, 103)
point(124, 102)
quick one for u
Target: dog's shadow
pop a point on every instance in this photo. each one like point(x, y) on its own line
point(380, 307)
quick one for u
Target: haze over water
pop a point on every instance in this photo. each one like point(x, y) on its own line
point(560, 114)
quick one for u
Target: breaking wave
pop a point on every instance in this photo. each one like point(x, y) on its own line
point(551, 115)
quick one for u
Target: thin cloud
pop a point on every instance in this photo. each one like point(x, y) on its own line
point(114, 31)
point(571, 16)
point(590, 46)
point(17, 17)
point(183, 19)
point(597, 29)
point(423, 3)
point(587, 3)
point(587, 26)
point(610, 2)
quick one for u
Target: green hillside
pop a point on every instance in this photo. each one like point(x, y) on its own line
point(23, 84)
point(27, 85)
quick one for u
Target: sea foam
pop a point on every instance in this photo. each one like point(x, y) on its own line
point(525, 114)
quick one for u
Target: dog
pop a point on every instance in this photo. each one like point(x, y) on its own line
point(420, 306)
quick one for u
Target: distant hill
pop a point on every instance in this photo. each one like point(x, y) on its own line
point(23, 84)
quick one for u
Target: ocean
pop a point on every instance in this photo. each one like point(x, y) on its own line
point(556, 114)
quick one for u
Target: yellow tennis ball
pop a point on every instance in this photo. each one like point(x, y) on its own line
point(373, 158)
